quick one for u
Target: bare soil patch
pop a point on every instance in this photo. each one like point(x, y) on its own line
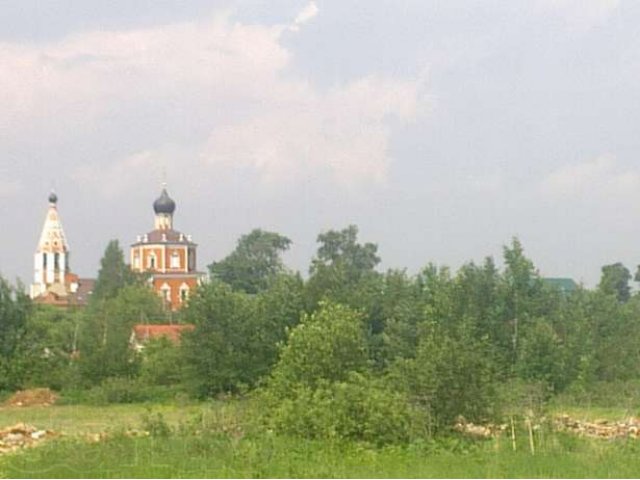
point(35, 397)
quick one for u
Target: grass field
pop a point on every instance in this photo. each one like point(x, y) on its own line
point(221, 451)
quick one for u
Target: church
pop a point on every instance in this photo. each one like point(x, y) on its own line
point(165, 255)
point(53, 281)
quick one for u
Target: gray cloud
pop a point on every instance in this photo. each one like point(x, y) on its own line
point(441, 128)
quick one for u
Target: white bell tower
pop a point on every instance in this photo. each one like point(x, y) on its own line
point(51, 260)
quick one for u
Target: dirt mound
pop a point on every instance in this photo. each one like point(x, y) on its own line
point(42, 397)
point(20, 436)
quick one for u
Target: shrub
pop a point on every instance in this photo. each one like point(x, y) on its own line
point(359, 408)
point(155, 424)
point(125, 390)
point(450, 376)
point(326, 345)
point(161, 363)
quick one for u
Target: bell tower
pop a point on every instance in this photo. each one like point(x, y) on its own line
point(51, 260)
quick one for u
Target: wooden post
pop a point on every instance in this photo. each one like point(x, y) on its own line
point(531, 444)
point(513, 435)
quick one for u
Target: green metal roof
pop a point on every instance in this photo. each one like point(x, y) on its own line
point(564, 284)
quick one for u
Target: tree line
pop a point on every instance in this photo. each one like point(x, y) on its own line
point(349, 351)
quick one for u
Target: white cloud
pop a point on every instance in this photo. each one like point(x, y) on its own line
point(343, 133)
point(121, 175)
point(597, 179)
point(305, 15)
point(231, 76)
point(580, 14)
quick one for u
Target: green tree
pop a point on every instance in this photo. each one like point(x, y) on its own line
point(104, 349)
point(615, 281)
point(523, 299)
point(541, 357)
point(451, 375)
point(341, 267)
point(323, 386)
point(50, 347)
point(15, 308)
point(114, 273)
point(326, 345)
point(402, 311)
point(236, 338)
point(162, 363)
point(255, 261)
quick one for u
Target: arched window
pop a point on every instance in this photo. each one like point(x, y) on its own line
point(175, 259)
point(152, 261)
point(166, 292)
point(184, 292)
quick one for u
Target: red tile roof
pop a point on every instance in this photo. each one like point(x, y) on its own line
point(144, 332)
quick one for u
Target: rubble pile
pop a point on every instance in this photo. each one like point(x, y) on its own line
point(40, 397)
point(21, 436)
point(478, 431)
point(600, 428)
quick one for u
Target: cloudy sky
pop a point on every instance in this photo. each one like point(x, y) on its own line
point(440, 128)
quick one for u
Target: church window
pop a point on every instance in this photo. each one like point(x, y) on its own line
point(166, 292)
point(56, 261)
point(152, 261)
point(44, 261)
point(192, 260)
point(175, 260)
point(184, 292)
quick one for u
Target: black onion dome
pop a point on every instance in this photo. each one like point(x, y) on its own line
point(164, 203)
point(53, 198)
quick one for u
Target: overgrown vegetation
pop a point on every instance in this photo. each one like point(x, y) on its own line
point(214, 441)
point(350, 353)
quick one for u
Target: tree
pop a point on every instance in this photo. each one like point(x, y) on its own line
point(255, 261)
point(341, 249)
point(615, 281)
point(236, 338)
point(15, 308)
point(161, 363)
point(541, 357)
point(326, 345)
point(523, 291)
point(104, 348)
point(114, 273)
point(451, 375)
point(50, 345)
point(343, 269)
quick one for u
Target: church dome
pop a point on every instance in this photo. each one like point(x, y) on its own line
point(164, 203)
point(53, 198)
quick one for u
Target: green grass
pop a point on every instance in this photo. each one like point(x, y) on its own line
point(218, 453)
point(273, 456)
point(79, 419)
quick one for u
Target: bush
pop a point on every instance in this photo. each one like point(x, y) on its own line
point(450, 376)
point(360, 408)
point(161, 363)
point(616, 394)
point(155, 424)
point(326, 345)
point(124, 390)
